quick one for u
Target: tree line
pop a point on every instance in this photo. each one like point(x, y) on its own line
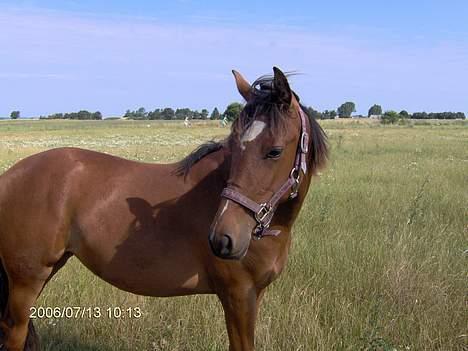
point(233, 110)
point(80, 115)
point(169, 113)
point(438, 115)
point(346, 110)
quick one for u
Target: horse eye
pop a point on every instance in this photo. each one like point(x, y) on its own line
point(274, 153)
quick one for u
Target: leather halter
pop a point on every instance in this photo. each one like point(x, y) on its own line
point(263, 213)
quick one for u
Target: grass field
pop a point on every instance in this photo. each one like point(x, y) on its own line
point(379, 258)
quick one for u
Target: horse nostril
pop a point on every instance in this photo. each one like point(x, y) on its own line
point(225, 245)
point(211, 241)
point(221, 245)
point(211, 237)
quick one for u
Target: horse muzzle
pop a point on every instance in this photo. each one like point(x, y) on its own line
point(222, 246)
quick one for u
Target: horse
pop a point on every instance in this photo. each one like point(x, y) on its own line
point(134, 225)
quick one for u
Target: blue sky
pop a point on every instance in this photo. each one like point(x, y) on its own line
point(61, 56)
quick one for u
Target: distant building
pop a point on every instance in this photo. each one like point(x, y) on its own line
point(375, 116)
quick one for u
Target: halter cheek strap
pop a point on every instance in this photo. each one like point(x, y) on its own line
point(263, 213)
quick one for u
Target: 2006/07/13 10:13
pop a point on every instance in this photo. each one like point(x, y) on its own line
point(70, 312)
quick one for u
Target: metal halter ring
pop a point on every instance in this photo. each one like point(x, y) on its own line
point(295, 174)
point(264, 211)
point(258, 232)
point(295, 186)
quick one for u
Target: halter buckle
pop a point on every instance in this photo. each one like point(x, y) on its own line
point(263, 213)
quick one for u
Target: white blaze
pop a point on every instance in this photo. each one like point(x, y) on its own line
point(250, 134)
point(221, 214)
point(224, 208)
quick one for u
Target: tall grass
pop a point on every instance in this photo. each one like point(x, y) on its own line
point(378, 259)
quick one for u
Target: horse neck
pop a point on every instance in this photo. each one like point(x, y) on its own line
point(215, 163)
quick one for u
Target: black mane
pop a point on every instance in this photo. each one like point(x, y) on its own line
point(196, 155)
point(263, 101)
point(318, 142)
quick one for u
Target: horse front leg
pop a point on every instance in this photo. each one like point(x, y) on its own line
point(16, 327)
point(240, 309)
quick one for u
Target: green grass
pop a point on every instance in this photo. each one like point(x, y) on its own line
point(378, 259)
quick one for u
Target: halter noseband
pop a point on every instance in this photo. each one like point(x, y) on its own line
point(263, 213)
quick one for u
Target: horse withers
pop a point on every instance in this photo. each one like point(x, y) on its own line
point(129, 221)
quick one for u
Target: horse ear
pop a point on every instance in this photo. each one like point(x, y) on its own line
point(282, 89)
point(242, 85)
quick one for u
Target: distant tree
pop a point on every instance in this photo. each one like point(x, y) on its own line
point(346, 109)
point(179, 113)
point(15, 114)
point(215, 114)
point(420, 115)
point(183, 113)
point(329, 114)
point(75, 115)
point(167, 113)
point(55, 116)
point(445, 115)
point(390, 117)
point(314, 113)
point(97, 115)
point(156, 114)
point(233, 111)
point(375, 110)
point(80, 115)
point(141, 113)
point(204, 113)
point(404, 114)
point(138, 114)
point(196, 114)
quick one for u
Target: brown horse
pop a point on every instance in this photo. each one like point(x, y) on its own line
point(135, 224)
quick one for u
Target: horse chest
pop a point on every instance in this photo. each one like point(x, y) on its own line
point(266, 266)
